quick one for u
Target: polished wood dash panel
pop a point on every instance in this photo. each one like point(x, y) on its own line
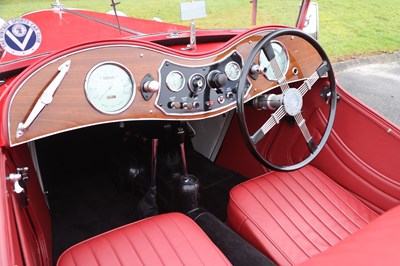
point(70, 109)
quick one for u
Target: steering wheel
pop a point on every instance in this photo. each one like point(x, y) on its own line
point(289, 102)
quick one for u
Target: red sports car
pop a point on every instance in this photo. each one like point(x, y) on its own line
point(127, 141)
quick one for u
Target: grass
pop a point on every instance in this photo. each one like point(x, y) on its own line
point(354, 28)
point(347, 28)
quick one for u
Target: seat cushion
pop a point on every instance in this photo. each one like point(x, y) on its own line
point(292, 216)
point(376, 244)
point(168, 239)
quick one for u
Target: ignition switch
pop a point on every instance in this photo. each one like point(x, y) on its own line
point(197, 84)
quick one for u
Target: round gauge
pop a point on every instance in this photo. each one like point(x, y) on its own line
point(110, 88)
point(175, 81)
point(281, 57)
point(232, 70)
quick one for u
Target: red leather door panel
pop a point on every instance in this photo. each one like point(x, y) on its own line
point(33, 221)
point(10, 253)
point(363, 154)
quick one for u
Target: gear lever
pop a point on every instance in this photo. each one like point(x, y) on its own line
point(147, 206)
point(181, 134)
point(188, 189)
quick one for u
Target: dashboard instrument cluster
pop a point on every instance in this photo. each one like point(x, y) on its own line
point(187, 90)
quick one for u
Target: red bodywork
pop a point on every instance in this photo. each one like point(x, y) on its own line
point(361, 154)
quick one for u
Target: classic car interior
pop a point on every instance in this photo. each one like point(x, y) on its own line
point(243, 151)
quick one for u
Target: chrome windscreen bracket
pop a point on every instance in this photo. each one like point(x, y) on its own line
point(45, 99)
point(57, 5)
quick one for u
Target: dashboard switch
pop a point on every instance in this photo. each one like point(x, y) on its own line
point(174, 105)
point(210, 103)
point(216, 79)
point(197, 84)
point(221, 99)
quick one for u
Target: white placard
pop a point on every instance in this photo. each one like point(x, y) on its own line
point(193, 10)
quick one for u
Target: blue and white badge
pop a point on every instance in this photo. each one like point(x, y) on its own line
point(20, 36)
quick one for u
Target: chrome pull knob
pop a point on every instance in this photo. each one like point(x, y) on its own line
point(152, 86)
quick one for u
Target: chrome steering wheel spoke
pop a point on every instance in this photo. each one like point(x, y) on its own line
point(273, 120)
point(307, 85)
point(301, 122)
point(280, 77)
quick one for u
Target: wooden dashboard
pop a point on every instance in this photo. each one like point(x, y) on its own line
point(70, 108)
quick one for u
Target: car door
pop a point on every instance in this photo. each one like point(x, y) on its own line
point(10, 252)
point(25, 237)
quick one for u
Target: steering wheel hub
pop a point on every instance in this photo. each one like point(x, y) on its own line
point(293, 102)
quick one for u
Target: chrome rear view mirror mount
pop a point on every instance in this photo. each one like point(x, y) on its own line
point(191, 11)
point(311, 25)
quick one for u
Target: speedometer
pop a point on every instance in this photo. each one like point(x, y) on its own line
point(281, 57)
point(110, 88)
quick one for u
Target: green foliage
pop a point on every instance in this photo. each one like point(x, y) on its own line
point(347, 28)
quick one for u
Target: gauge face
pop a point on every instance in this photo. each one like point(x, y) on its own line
point(232, 70)
point(175, 81)
point(110, 88)
point(281, 58)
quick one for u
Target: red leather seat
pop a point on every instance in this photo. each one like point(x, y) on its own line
point(376, 244)
point(295, 215)
point(168, 239)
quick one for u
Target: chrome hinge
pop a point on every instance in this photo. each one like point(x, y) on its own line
point(19, 181)
point(23, 171)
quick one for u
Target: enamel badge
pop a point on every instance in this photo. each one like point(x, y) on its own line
point(20, 37)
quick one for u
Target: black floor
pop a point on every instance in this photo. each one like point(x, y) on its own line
point(85, 205)
point(94, 182)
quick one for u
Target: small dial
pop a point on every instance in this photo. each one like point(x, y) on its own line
point(175, 81)
point(232, 71)
point(110, 88)
point(281, 58)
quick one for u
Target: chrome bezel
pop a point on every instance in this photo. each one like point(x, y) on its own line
point(183, 81)
point(133, 88)
point(235, 64)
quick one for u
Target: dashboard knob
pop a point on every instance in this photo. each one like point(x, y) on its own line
point(221, 99)
point(151, 86)
point(229, 95)
point(216, 79)
point(175, 105)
